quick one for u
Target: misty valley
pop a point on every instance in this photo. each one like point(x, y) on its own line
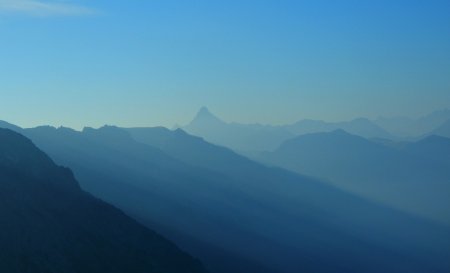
point(150, 199)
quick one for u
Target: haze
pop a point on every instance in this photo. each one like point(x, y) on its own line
point(225, 136)
point(136, 63)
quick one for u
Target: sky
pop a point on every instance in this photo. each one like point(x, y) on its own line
point(156, 62)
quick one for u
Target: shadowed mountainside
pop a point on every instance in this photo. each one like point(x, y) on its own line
point(196, 151)
point(50, 225)
point(215, 203)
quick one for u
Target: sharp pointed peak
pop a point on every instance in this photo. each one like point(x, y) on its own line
point(203, 111)
point(205, 118)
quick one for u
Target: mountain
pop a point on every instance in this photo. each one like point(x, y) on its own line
point(360, 126)
point(6, 125)
point(381, 172)
point(154, 188)
point(204, 116)
point(413, 128)
point(191, 149)
point(240, 137)
point(443, 130)
point(434, 148)
point(196, 151)
point(249, 138)
point(237, 215)
point(50, 225)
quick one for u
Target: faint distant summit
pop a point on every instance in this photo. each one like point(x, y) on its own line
point(204, 113)
point(205, 118)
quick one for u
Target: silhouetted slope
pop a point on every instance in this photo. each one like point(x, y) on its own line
point(196, 151)
point(151, 186)
point(6, 125)
point(208, 198)
point(384, 173)
point(48, 224)
point(191, 149)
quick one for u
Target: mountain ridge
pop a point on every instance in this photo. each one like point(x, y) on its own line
point(71, 231)
point(249, 138)
point(278, 219)
point(383, 172)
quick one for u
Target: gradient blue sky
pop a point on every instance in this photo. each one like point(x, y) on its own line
point(155, 62)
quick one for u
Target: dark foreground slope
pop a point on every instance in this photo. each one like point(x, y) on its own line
point(48, 224)
point(237, 214)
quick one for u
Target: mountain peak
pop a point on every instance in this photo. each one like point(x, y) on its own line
point(204, 112)
point(204, 115)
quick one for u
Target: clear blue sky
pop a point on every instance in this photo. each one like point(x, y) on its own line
point(155, 62)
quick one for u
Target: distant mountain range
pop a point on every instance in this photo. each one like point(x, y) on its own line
point(237, 215)
point(48, 224)
point(413, 176)
point(239, 137)
point(412, 128)
point(256, 137)
point(251, 138)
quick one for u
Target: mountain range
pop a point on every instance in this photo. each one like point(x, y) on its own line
point(239, 137)
point(402, 175)
point(238, 215)
point(49, 224)
point(249, 139)
point(407, 127)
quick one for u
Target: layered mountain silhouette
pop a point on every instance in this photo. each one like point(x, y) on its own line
point(151, 186)
point(215, 204)
point(237, 215)
point(6, 125)
point(402, 176)
point(248, 138)
point(240, 137)
point(360, 126)
point(48, 224)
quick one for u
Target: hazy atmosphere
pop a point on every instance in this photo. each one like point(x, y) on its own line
point(207, 136)
point(157, 62)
